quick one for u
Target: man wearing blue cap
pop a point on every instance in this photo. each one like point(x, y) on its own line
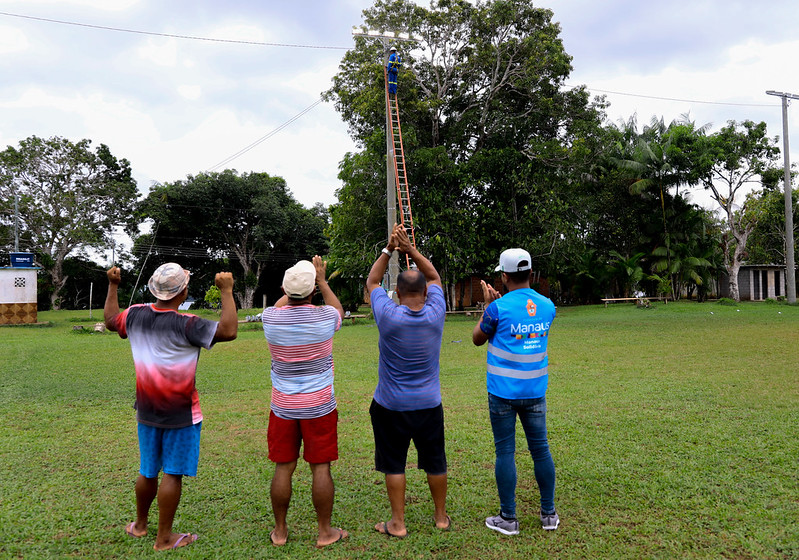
point(516, 327)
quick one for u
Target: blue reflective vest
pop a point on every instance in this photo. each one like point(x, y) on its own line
point(517, 325)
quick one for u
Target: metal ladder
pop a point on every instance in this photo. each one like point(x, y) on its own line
point(400, 173)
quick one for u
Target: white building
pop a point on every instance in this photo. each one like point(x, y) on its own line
point(18, 293)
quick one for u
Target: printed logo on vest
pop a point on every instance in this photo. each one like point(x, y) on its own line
point(531, 308)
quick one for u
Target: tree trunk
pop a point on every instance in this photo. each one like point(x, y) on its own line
point(56, 275)
point(246, 297)
point(732, 272)
point(450, 287)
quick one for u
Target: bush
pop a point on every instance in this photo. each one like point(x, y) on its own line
point(213, 297)
point(727, 301)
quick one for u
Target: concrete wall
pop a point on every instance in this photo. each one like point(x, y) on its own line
point(756, 282)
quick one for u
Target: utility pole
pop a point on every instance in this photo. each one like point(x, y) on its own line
point(790, 266)
point(385, 37)
point(16, 222)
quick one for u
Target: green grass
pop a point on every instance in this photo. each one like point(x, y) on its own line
point(674, 433)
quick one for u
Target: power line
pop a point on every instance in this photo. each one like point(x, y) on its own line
point(171, 35)
point(200, 252)
point(675, 99)
point(265, 137)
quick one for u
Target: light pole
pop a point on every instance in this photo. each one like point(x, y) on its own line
point(790, 272)
point(391, 187)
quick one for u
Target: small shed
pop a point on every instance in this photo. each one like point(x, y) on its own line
point(18, 291)
point(756, 282)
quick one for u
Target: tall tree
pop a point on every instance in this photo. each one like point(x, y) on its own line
point(657, 163)
point(251, 219)
point(737, 156)
point(493, 141)
point(69, 199)
point(766, 243)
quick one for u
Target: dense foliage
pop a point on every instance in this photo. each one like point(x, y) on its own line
point(68, 197)
point(499, 152)
point(249, 223)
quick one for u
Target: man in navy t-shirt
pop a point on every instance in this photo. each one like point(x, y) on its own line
point(516, 327)
point(407, 401)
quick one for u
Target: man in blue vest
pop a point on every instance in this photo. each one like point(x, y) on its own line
point(516, 327)
point(394, 62)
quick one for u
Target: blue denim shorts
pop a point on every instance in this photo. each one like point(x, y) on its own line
point(175, 450)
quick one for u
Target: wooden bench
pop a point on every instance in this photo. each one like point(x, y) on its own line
point(353, 317)
point(467, 312)
point(641, 299)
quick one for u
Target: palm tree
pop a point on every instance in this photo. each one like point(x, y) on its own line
point(626, 271)
point(657, 163)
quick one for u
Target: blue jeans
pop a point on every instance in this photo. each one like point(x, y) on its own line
point(533, 414)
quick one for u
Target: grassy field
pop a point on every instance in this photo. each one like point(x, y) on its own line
point(674, 433)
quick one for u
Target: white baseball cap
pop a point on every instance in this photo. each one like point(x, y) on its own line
point(514, 260)
point(299, 280)
point(168, 281)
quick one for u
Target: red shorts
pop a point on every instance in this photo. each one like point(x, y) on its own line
point(319, 434)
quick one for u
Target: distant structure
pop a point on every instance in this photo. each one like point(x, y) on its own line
point(18, 291)
point(757, 282)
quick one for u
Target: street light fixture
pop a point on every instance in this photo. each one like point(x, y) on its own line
point(790, 271)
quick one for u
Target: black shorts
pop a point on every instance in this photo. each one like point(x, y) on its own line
point(394, 431)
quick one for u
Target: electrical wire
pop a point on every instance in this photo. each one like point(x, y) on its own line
point(171, 35)
point(155, 232)
point(676, 99)
point(264, 138)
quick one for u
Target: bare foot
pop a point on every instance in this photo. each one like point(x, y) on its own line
point(384, 529)
point(176, 540)
point(277, 539)
point(444, 524)
point(135, 532)
point(336, 535)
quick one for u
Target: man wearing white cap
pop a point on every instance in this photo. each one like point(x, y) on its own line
point(303, 405)
point(166, 346)
point(516, 327)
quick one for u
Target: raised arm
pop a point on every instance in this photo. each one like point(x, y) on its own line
point(489, 294)
point(229, 322)
point(111, 308)
point(425, 266)
point(380, 265)
point(327, 294)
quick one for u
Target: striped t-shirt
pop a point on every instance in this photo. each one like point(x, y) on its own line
point(300, 341)
point(165, 346)
point(410, 348)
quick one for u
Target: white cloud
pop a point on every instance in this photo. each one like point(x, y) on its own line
point(161, 52)
point(12, 40)
point(104, 5)
point(190, 92)
point(238, 32)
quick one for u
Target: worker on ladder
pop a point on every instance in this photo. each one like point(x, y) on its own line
point(394, 62)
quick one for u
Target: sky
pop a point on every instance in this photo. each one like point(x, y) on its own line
point(176, 107)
